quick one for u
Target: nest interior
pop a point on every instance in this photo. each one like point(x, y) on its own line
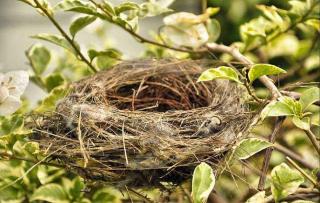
point(144, 122)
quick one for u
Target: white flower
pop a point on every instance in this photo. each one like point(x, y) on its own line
point(12, 86)
point(186, 29)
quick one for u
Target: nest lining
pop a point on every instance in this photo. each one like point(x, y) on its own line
point(144, 122)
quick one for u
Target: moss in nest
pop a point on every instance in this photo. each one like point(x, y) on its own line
point(144, 122)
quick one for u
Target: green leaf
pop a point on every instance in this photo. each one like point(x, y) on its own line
point(77, 186)
point(222, 72)
point(49, 103)
point(259, 70)
point(203, 181)
point(51, 193)
point(155, 8)
point(126, 6)
point(54, 80)
point(276, 108)
point(55, 39)
point(284, 181)
point(112, 53)
point(303, 123)
point(11, 124)
point(32, 147)
point(106, 195)
point(79, 7)
point(80, 23)
point(214, 30)
point(39, 57)
point(302, 201)
point(248, 147)
point(271, 13)
point(108, 7)
point(259, 197)
point(294, 105)
point(47, 174)
point(309, 96)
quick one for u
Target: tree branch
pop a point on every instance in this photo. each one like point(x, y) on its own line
point(314, 182)
point(294, 156)
point(267, 156)
point(235, 53)
point(65, 35)
point(313, 139)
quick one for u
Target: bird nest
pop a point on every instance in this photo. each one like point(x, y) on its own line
point(145, 122)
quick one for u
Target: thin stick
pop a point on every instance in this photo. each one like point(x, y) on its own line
point(145, 40)
point(65, 35)
point(267, 156)
point(82, 148)
point(314, 182)
point(124, 145)
point(293, 156)
point(313, 139)
point(145, 198)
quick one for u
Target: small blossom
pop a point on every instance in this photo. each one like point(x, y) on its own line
point(12, 86)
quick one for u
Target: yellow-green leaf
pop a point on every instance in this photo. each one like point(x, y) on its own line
point(55, 39)
point(309, 96)
point(259, 70)
point(80, 23)
point(39, 57)
point(222, 72)
point(248, 147)
point(203, 181)
point(51, 193)
point(284, 181)
point(303, 123)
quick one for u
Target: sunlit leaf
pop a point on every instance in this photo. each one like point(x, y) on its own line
point(54, 80)
point(284, 181)
point(11, 124)
point(303, 123)
point(309, 96)
point(155, 7)
point(80, 23)
point(55, 39)
point(248, 147)
point(222, 72)
point(106, 195)
point(315, 23)
point(259, 70)
point(108, 7)
point(257, 198)
point(214, 30)
point(112, 53)
point(126, 6)
point(49, 103)
point(276, 108)
point(52, 192)
point(39, 57)
point(203, 181)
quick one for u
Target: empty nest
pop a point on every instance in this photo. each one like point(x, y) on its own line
point(144, 122)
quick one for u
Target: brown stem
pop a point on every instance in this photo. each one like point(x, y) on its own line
point(296, 166)
point(300, 193)
point(145, 40)
point(65, 35)
point(293, 156)
point(313, 139)
point(267, 156)
point(235, 53)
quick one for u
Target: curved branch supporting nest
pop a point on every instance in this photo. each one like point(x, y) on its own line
point(144, 122)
